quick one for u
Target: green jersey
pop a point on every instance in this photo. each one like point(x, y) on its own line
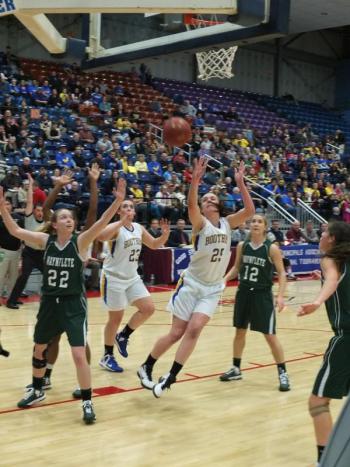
point(338, 304)
point(63, 269)
point(256, 269)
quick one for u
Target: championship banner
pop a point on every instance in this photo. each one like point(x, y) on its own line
point(181, 260)
point(303, 258)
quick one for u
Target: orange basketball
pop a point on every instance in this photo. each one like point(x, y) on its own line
point(176, 131)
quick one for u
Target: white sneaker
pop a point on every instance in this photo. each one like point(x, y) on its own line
point(164, 383)
point(145, 375)
point(232, 374)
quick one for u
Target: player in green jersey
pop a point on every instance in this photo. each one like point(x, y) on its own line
point(63, 302)
point(255, 261)
point(333, 379)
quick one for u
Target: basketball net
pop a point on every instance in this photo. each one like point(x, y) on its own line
point(215, 63)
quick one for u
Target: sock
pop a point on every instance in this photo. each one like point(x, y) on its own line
point(48, 371)
point(86, 394)
point(150, 361)
point(37, 383)
point(237, 362)
point(109, 349)
point(320, 450)
point(176, 368)
point(281, 367)
point(127, 331)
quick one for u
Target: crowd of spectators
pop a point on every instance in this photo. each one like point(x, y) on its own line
point(42, 132)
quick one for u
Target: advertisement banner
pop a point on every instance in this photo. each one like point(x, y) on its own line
point(303, 258)
point(180, 262)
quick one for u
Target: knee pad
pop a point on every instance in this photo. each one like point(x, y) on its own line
point(318, 410)
point(37, 363)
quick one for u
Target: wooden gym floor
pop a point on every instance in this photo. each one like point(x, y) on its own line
point(200, 422)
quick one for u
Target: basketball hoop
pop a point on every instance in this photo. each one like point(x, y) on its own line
point(215, 63)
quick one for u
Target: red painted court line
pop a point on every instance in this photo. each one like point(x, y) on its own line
point(314, 354)
point(258, 365)
point(111, 390)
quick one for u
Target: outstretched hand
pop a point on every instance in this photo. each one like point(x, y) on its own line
point(94, 172)
point(239, 174)
point(165, 226)
point(199, 168)
point(307, 308)
point(2, 197)
point(30, 179)
point(120, 191)
point(65, 178)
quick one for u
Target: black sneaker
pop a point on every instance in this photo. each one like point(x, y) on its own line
point(164, 383)
point(77, 393)
point(284, 381)
point(232, 374)
point(145, 375)
point(12, 306)
point(31, 397)
point(89, 416)
point(46, 384)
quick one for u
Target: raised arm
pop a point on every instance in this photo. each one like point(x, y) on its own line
point(29, 205)
point(155, 243)
point(63, 180)
point(234, 271)
point(194, 213)
point(36, 238)
point(91, 215)
point(330, 284)
point(85, 238)
point(249, 209)
point(277, 260)
point(112, 230)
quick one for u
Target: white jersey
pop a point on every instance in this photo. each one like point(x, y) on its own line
point(212, 251)
point(122, 259)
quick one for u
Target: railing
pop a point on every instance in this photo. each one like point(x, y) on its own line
point(306, 213)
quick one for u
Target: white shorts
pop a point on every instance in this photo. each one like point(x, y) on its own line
point(191, 296)
point(117, 295)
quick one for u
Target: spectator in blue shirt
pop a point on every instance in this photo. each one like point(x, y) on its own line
point(154, 166)
point(64, 159)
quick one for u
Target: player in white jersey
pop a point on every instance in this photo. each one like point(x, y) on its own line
point(197, 294)
point(120, 283)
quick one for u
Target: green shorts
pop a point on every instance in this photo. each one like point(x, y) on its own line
point(255, 308)
point(333, 379)
point(62, 314)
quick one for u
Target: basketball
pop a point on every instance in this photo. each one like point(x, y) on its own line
point(177, 131)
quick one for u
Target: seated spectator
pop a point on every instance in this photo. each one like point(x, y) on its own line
point(309, 234)
point(39, 196)
point(179, 161)
point(295, 235)
point(22, 194)
point(275, 234)
point(154, 228)
point(141, 164)
point(227, 199)
point(43, 179)
point(240, 234)
point(178, 238)
point(154, 166)
point(104, 144)
point(64, 159)
point(188, 109)
point(12, 180)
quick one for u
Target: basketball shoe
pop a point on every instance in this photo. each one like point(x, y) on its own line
point(89, 416)
point(284, 381)
point(164, 383)
point(108, 362)
point(122, 343)
point(232, 374)
point(31, 397)
point(145, 375)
